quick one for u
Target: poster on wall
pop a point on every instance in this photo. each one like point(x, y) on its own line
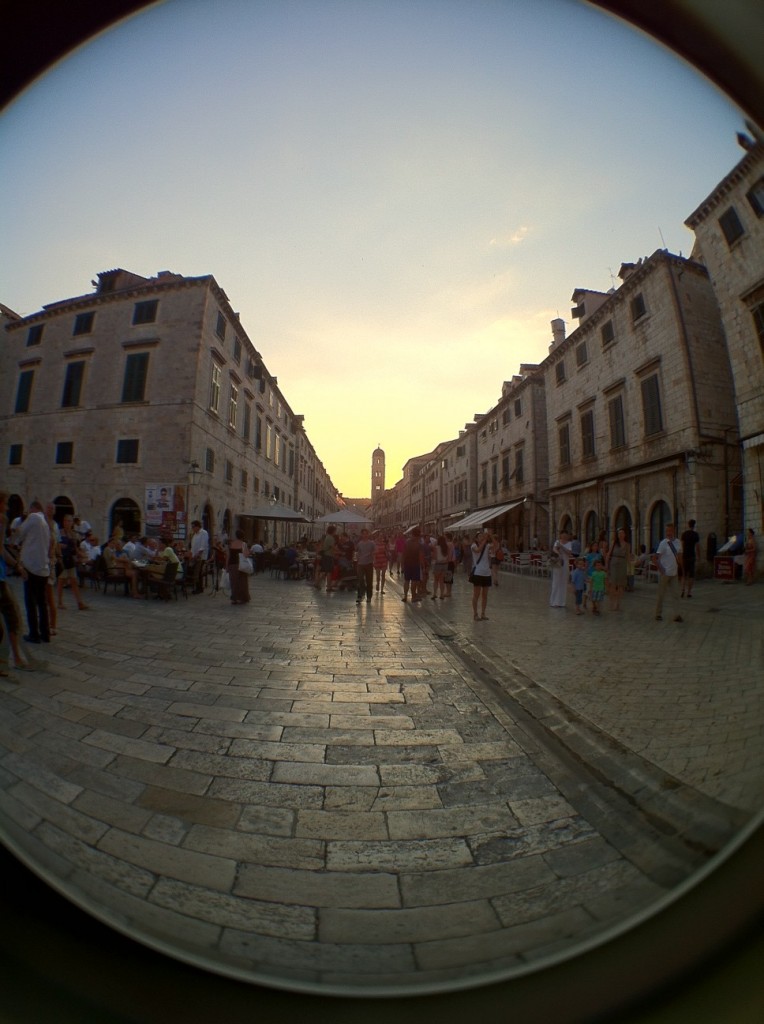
point(166, 510)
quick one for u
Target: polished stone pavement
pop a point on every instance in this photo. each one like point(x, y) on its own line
point(382, 797)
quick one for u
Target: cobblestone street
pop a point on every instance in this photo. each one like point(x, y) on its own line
point(336, 797)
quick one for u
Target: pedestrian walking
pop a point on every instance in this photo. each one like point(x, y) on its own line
point(690, 554)
point(617, 567)
point(598, 585)
point(381, 559)
point(559, 561)
point(439, 568)
point(668, 559)
point(70, 556)
point(34, 556)
point(239, 580)
point(364, 565)
point(325, 560)
point(9, 611)
point(413, 564)
point(480, 577)
point(578, 581)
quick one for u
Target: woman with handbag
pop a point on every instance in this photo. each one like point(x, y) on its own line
point(239, 580)
point(480, 577)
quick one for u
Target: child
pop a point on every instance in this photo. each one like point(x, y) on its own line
point(578, 580)
point(599, 583)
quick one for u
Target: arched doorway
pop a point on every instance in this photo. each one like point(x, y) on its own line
point(591, 527)
point(622, 521)
point(566, 525)
point(64, 507)
point(660, 515)
point(208, 518)
point(15, 508)
point(127, 512)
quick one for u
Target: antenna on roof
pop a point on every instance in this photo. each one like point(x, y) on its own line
point(663, 240)
point(612, 278)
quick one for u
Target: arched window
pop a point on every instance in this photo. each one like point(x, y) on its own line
point(566, 526)
point(660, 515)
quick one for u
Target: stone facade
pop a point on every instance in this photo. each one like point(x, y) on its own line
point(105, 394)
point(729, 229)
point(641, 418)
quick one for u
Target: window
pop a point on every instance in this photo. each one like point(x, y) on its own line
point(34, 337)
point(755, 198)
point(64, 453)
point(215, 388)
point(559, 371)
point(518, 407)
point(244, 480)
point(72, 385)
point(617, 423)
point(209, 461)
point(237, 350)
point(268, 441)
point(220, 327)
point(518, 474)
point(505, 416)
point(563, 437)
point(136, 372)
point(731, 225)
point(83, 323)
point(582, 357)
point(277, 442)
point(505, 470)
point(607, 333)
point(233, 405)
point(247, 426)
point(651, 405)
point(259, 433)
point(145, 312)
point(587, 434)
point(127, 450)
point(14, 454)
point(638, 308)
point(494, 477)
point(24, 391)
point(228, 471)
point(256, 485)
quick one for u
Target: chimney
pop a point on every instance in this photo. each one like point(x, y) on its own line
point(558, 332)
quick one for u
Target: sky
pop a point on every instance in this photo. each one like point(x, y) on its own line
point(397, 196)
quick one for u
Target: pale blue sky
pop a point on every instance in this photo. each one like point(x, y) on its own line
point(397, 196)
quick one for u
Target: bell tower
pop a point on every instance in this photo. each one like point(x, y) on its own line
point(377, 473)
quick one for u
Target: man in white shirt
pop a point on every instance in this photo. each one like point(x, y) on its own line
point(667, 560)
point(34, 559)
point(200, 552)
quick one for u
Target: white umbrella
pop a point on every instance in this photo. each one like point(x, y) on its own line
point(345, 516)
point(277, 511)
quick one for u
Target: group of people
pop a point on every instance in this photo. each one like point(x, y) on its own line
point(609, 568)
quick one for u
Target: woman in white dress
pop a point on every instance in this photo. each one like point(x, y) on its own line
point(559, 573)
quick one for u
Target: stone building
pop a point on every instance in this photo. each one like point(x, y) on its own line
point(147, 401)
point(640, 408)
point(729, 232)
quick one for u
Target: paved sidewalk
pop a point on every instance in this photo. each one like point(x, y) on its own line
point(336, 797)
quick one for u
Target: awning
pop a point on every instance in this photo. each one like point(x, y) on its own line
point(484, 515)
